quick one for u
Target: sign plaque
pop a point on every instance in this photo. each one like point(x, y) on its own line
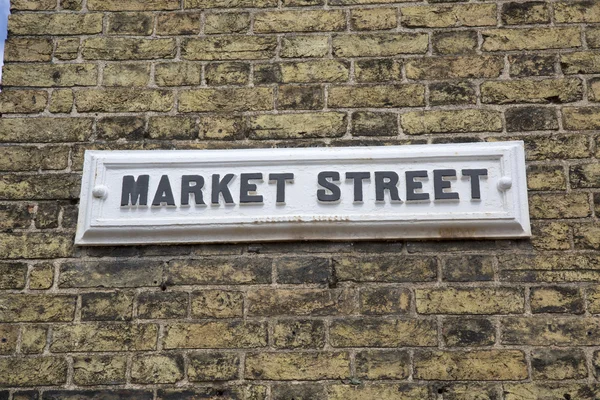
point(475, 190)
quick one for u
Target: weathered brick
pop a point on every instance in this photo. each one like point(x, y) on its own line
point(297, 366)
point(468, 332)
point(55, 24)
point(385, 269)
point(126, 75)
point(534, 391)
point(300, 97)
point(585, 175)
point(130, 23)
point(549, 268)
point(379, 44)
point(377, 364)
point(33, 371)
point(23, 101)
point(533, 12)
point(299, 334)
point(114, 394)
point(299, 391)
point(454, 42)
point(33, 339)
point(133, 5)
point(67, 49)
point(446, 16)
point(219, 271)
point(371, 332)
point(178, 24)
point(558, 364)
point(382, 301)
point(108, 306)
point(229, 48)
point(119, 273)
point(550, 331)
point(553, 206)
point(177, 74)
point(592, 35)
point(226, 23)
point(374, 124)
point(594, 90)
point(157, 368)
point(303, 270)
point(217, 304)
point(475, 365)
point(229, 3)
point(556, 300)
point(531, 119)
point(314, 71)
point(108, 48)
point(31, 158)
point(226, 100)
point(455, 67)
point(12, 275)
point(307, 125)
point(587, 236)
point(304, 46)
point(468, 268)
point(62, 101)
point(532, 91)
point(208, 335)
point(581, 118)
point(223, 127)
point(165, 128)
point(92, 337)
point(27, 49)
point(577, 11)
point(41, 276)
point(32, 5)
point(446, 93)
point(99, 370)
point(153, 305)
point(377, 70)
point(47, 215)
point(41, 186)
point(390, 391)
point(74, 5)
point(550, 236)
point(373, 19)
point(469, 391)
point(8, 339)
point(37, 308)
point(299, 21)
point(470, 301)
point(531, 39)
point(407, 95)
point(114, 128)
point(50, 75)
point(556, 146)
point(213, 367)
point(421, 122)
point(123, 100)
point(271, 302)
point(241, 392)
point(532, 65)
point(230, 73)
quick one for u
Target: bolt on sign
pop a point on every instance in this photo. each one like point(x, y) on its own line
point(353, 193)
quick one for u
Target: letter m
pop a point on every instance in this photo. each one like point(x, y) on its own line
point(135, 190)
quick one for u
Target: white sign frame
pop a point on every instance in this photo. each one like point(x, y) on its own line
point(511, 220)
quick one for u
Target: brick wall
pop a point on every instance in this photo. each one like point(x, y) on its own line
point(470, 319)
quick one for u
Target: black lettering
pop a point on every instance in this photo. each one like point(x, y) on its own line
point(386, 180)
point(439, 184)
point(221, 187)
point(246, 187)
point(358, 178)
point(135, 190)
point(335, 192)
point(164, 194)
point(196, 189)
point(281, 179)
point(411, 186)
point(474, 175)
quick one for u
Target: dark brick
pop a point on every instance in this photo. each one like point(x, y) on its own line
point(471, 268)
point(299, 270)
point(556, 299)
point(114, 128)
point(112, 306)
point(532, 65)
point(467, 332)
point(446, 93)
point(557, 364)
point(15, 216)
point(534, 12)
point(302, 391)
point(47, 215)
point(531, 119)
point(213, 367)
point(119, 394)
point(384, 300)
point(12, 275)
point(299, 334)
point(374, 124)
point(219, 271)
point(293, 97)
point(385, 269)
point(118, 273)
point(162, 305)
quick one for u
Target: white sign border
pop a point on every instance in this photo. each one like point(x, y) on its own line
point(511, 155)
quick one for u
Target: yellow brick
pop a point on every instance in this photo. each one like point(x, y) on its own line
point(61, 101)
point(455, 67)
point(531, 39)
point(133, 5)
point(22, 101)
point(457, 42)
point(309, 125)
point(229, 3)
point(532, 91)
point(55, 24)
point(573, 205)
point(299, 21)
point(421, 122)
point(229, 48)
point(379, 44)
point(226, 100)
point(226, 23)
point(231, 334)
point(178, 24)
point(50, 75)
point(103, 337)
point(126, 75)
point(297, 366)
point(27, 49)
point(470, 301)
point(555, 390)
point(33, 371)
point(408, 95)
point(157, 368)
point(99, 48)
point(37, 308)
point(33, 339)
point(98, 370)
point(178, 74)
point(371, 332)
point(123, 99)
point(577, 12)
point(304, 46)
point(41, 277)
point(449, 15)
point(373, 19)
point(130, 23)
point(377, 391)
point(581, 118)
